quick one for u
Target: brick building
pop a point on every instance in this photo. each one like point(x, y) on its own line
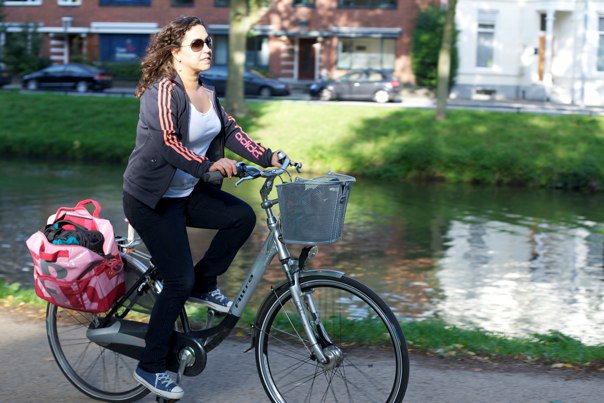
point(295, 39)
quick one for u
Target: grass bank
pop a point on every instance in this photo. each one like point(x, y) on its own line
point(470, 146)
point(428, 336)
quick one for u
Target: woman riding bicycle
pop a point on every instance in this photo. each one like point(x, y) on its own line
point(181, 134)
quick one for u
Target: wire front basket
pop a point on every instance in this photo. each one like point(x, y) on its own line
point(313, 210)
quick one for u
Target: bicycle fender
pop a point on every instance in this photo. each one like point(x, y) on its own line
point(310, 273)
point(329, 273)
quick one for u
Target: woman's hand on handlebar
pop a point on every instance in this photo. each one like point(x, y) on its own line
point(227, 167)
point(277, 158)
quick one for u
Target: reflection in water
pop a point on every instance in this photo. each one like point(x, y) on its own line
point(506, 260)
point(487, 260)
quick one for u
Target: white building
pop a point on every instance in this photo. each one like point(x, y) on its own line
point(548, 50)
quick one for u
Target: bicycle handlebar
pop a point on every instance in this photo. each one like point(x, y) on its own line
point(248, 172)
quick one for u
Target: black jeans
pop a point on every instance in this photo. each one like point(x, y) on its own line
point(163, 230)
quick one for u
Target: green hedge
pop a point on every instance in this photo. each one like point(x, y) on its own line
point(124, 71)
point(402, 144)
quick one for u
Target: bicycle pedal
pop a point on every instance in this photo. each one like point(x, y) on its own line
point(161, 399)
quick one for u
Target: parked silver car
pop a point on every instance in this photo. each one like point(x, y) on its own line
point(367, 84)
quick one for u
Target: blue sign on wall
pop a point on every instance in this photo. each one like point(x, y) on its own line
point(123, 48)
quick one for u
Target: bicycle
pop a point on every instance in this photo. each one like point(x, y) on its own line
point(310, 334)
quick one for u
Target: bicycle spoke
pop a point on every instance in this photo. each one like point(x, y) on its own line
point(88, 370)
point(287, 315)
point(329, 378)
point(82, 355)
point(312, 385)
point(288, 334)
point(74, 344)
point(295, 368)
point(342, 369)
point(357, 388)
point(364, 374)
point(291, 350)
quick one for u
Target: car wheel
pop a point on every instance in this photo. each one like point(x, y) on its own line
point(82, 86)
point(265, 92)
point(32, 85)
point(381, 97)
point(326, 95)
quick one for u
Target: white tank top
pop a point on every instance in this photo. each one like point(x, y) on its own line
point(203, 128)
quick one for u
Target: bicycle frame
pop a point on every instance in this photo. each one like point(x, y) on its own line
point(213, 336)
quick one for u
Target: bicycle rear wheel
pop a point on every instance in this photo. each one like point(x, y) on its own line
point(373, 364)
point(96, 371)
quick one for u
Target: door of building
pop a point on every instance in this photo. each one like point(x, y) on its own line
point(306, 59)
point(541, 53)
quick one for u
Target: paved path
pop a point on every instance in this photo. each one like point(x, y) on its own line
point(28, 373)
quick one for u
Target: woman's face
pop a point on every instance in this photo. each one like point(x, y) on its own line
point(192, 59)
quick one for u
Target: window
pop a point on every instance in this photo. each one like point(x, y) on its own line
point(69, 2)
point(362, 53)
point(220, 50)
point(59, 68)
point(183, 3)
point(374, 76)
point(23, 3)
point(357, 76)
point(74, 69)
point(303, 3)
point(601, 44)
point(123, 48)
point(485, 38)
point(367, 3)
point(125, 2)
point(257, 53)
point(221, 3)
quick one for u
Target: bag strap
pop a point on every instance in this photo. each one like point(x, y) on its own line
point(52, 257)
point(81, 205)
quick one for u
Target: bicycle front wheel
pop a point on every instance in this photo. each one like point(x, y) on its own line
point(371, 364)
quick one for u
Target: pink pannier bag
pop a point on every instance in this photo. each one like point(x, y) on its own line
point(73, 276)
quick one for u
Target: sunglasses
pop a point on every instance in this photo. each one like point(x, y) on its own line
point(198, 44)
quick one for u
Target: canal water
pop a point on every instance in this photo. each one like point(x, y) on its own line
point(510, 261)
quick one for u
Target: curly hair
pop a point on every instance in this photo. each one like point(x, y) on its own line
point(158, 60)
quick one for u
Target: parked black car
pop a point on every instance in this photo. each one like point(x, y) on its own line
point(80, 77)
point(254, 82)
point(375, 85)
point(5, 76)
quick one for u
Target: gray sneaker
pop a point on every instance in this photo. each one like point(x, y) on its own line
point(214, 299)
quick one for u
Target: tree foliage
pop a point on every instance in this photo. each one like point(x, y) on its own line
point(22, 50)
point(426, 44)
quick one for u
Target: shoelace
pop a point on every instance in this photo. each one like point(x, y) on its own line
point(165, 379)
point(218, 295)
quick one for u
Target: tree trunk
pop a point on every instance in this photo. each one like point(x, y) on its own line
point(444, 62)
point(239, 27)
